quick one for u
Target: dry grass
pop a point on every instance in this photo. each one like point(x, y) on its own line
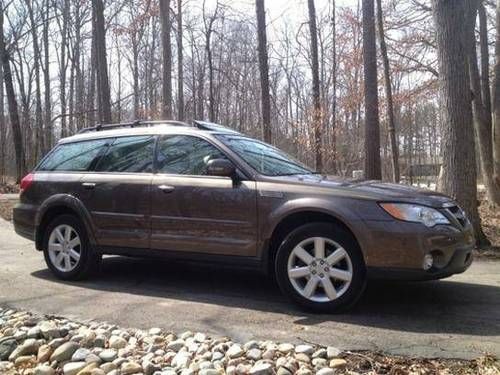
point(378, 363)
point(6, 209)
point(8, 187)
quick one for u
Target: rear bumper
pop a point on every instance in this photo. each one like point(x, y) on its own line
point(23, 217)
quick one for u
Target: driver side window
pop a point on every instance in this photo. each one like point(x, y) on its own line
point(185, 155)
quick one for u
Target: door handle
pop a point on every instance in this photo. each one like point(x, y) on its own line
point(166, 188)
point(88, 185)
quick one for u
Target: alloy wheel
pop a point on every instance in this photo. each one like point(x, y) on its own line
point(319, 269)
point(64, 248)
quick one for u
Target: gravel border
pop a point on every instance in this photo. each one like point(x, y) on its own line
point(50, 345)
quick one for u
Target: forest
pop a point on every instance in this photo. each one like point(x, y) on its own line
point(406, 91)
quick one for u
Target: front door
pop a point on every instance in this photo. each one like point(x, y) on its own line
point(117, 193)
point(194, 212)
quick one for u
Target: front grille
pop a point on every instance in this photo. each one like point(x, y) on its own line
point(458, 214)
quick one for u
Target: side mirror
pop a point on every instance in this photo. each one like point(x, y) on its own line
point(221, 168)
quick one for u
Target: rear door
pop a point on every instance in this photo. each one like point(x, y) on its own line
point(193, 212)
point(117, 192)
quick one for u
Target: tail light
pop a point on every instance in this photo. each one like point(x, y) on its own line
point(27, 181)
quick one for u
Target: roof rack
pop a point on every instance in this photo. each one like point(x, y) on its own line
point(202, 125)
point(134, 124)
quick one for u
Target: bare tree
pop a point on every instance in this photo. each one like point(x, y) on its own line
point(40, 134)
point(12, 102)
point(333, 133)
point(99, 35)
point(388, 94)
point(63, 64)
point(180, 64)
point(317, 115)
point(166, 43)
point(372, 126)
point(459, 161)
point(3, 124)
point(264, 70)
point(481, 110)
point(209, 29)
point(496, 100)
point(46, 78)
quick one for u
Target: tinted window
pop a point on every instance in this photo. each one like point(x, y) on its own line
point(265, 159)
point(129, 154)
point(182, 154)
point(76, 156)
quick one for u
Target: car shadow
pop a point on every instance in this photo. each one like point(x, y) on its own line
point(428, 307)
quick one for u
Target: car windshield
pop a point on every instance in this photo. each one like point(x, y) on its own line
point(265, 159)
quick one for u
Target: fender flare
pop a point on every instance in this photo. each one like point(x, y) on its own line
point(67, 201)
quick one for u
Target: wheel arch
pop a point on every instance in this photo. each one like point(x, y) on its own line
point(57, 205)
point(292, 221)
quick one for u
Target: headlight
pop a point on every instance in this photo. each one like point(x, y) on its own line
point(415, 213)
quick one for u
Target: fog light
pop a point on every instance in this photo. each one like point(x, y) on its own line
point(428, 262)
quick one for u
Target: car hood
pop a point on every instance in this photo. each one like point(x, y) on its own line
point(376, 190)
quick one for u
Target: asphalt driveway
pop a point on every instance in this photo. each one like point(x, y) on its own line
point(458, 317)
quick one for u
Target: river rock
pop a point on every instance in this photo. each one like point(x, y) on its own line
point(73, 368)
point(64, 352)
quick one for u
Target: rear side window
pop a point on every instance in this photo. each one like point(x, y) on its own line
point(129, 154)
point(76, 156)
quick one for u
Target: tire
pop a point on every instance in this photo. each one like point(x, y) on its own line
point(345, 270)
point(88, 262)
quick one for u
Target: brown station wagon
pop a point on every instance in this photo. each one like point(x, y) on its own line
point(203, 192)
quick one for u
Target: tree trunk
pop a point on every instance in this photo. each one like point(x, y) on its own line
point(373, 169)
point(91, 107)
point(264, 70)
point(208, 50)
point(79, 84)
point(46, 80)
point(102, 65)
point(481, 111)
point(485, 59)
point(333, 139)
point(459, 161)
point(167, 59)
point(496, 101)
point(3, 125)
point(12, 104)
point(317, 115)
point(388, 94)
point(180, 66)
point(40, 144)
point(63, 63)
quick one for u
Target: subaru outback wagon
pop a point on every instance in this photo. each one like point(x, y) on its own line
point(203, 192)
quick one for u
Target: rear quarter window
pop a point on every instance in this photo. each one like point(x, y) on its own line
point(77, 156)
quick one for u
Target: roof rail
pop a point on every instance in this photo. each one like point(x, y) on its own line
point(203, 125)
point(133, 124)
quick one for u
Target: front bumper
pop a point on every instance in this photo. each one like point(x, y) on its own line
point(397, 250)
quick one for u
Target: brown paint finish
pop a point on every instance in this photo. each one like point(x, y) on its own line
point(120, 207)
point(204, 214)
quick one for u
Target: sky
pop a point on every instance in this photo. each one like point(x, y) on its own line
point(288, 8)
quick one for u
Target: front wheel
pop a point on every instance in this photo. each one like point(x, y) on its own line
point(320, 267)
point(67, 250)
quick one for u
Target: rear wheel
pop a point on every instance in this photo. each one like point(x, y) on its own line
point(67, 251)
point(320, 267)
